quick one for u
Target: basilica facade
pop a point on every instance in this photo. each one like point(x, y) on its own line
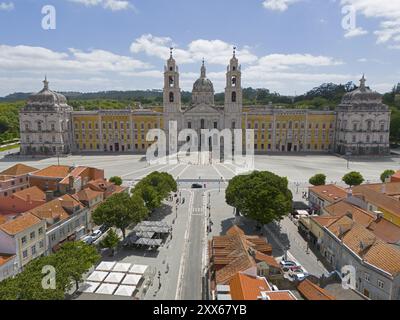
point(358, 126)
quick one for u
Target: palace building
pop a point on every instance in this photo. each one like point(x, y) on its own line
point(358, 126)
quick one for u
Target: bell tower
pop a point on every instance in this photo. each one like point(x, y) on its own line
point(172, 92)
point(234, 93)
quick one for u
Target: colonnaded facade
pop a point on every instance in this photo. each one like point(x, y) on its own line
point(358, 126)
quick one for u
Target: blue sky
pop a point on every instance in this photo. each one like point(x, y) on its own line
point(288, 46)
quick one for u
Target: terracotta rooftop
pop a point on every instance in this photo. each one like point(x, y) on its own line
point(3, 219)
point(383, 201)
point(329, 192)
point(88, 194)
point(342, 208)
point(18, 170)
point(54, 172)
point(20, 223)
point(386, 230)
point(367, 245)
point(324, 220)
point(232, 252)
point(34, 192)
point(389, 188)
point(56, 209)
point(246, 287)
point(4, 258)
point(311, 291)
point(270, 260)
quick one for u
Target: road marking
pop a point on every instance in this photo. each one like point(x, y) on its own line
point(184, 169)
point(186, 239)
point(132, 172)
point(219, 172)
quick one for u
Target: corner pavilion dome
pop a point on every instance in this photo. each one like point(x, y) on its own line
point(47, 99)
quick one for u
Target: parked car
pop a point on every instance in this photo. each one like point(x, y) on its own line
point(87, 240)
point(298, 274)
point(104, 228)
point(96, 234)
point(288, 263)
point(197, 186)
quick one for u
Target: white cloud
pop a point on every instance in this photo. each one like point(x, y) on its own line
point(214, 51)
point(278, 5)
point(6, 6)
point(388, 11)
point(356, 32)
point(113, 5)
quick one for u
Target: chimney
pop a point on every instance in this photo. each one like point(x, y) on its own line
point(349, 214)
point(70, 182)
point(49, 196)
point(383, 188)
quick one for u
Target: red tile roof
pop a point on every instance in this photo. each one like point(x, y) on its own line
point(20, 223)
point(18, 170)
point(341, 208)
point(329, 192)
point(33, 192)
point(4, 258)
point(311, 291)
point(88, 194)
point(54, 172)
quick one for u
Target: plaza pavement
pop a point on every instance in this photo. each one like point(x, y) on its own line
point(181, 260)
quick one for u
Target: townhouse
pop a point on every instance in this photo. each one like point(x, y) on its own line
point(65, 219)
point(15, 178)
point(346, 243)
point(23, 236)
point(22, 201)
point(322, 196)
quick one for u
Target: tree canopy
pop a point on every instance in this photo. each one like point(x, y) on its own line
point(120, 210)
point(318, 179)
point(69, 263)
point(116, 180)
point(154, 188)
point(353, 179)
point(262, 196)
point(387, 174)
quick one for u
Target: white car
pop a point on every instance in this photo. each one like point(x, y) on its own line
point(298, 274)
point(87, 240)
point(96, 234)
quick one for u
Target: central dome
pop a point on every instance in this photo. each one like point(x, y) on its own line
point(203, 89)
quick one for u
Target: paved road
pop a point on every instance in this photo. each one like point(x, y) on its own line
point(192, 274)
point(288, 237)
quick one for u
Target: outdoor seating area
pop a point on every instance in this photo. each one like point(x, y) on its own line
point(117, 279)
point(148, 234)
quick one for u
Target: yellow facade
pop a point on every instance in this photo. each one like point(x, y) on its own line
point(114, 131)
point(291, 130)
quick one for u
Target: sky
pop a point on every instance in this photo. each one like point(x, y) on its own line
point(287, 46)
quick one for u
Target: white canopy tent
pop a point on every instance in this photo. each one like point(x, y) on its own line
point(132, 279)
point(122, 267)
point(107, 288)
point(126, 291)
point(89, 287)
point(97, 276)
point(138, 269)
point(106, 266)
point(114, 277)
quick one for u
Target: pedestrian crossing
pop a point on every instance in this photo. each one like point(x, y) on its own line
point(198, 210)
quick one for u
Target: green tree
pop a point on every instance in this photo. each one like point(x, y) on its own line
point(120, 210)
point(155, 188)
point(318, 180)
point(110, 241)
point(353, 179)
point(262, 196)
point(116, 180)
point(387, 174)
point(76, 258)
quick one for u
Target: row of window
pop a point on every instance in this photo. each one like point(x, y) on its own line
point(6, 193)
point(21, 180)
point(110, 126)
point(41, 127)
point(32, 236)
point(381, 284)
point(289, 125)
point(33, 250)
point(110, 136)
point(293, 147)
point(370, 125)
point(116, 147)
point(367, 139)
